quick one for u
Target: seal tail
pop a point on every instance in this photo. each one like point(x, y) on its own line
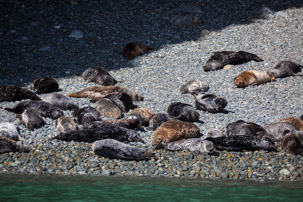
point(74, 95)
point(10, 109)
point(257, 59)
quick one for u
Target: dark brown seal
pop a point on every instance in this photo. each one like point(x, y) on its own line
point(291, 143)
point(14, 93)
point(98, 75)
point(219, 59)
point(107, 108)
point(8, 145)
point(285, 69)
point(157, 120)
point(125, 123)
point(183, 112)
point(174, 130)
point(45, 85)
point(144, 114)
point(210, 103)
point(114, 149)
point(294, 121)
point(87, 114)
point(98, 92)
point(123, 101)
point(251, 77)
point(134, 49)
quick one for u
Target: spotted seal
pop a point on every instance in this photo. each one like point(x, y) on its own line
point(98, 92)
point(294, 121)
point(183, 112)
point(114, 149)
point(8, 145)
point(107, 108)
point(102, 132)
point(251, 77)
point(10, 131)
point(13, 93)
point(277, 130)
point(45, 85)
point(174, 130)
point(219, 59)
point(194, 87)
point(66, 124)
point(61, 101)
point(144, 114)
point(193, 145)
point(134, 49)
point(285, 69)
point(98, 75)
point(210, 103)
point(32, 119)
point(214, 133)
point(157, 120)
point(46, 109)
point(292, 143)
point(241, 143)
point(87, 114)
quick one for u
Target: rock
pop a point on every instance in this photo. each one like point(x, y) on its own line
point(284, 171)
point(76, 34)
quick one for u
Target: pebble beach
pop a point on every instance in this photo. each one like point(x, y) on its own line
point(60, 39)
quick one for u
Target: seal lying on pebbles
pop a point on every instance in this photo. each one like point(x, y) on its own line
point(174, 130)
point(243, 128)
point(213, 133)
point(291, 143)
point(45, 85)
point(66, 124)
point(219, 59)
point(144, 114)
point(123, 101)
point(98, 75)
point(193, 145)
point(277, 130)
point(134, 49)
point(285, 69)
point(61, 101)
point(10, 131)
point(103, 132)
point(8, 145)
point(114, 149)
point(125, 123)
point(98, 92)
point(251, 77)
point(194, 87)
point(87, 114)
point(32, 119)
point(46, 109)
point(210, 103)
point(241, 143)
point(107, 108)
point(183, 112)
point(294, 121)
point(14, 93)
point(157, 120)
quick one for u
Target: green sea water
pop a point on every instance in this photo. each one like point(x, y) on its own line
point(91, 188)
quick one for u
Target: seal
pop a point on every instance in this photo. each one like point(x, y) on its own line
point(8, 145)
point(123, 101)
point(157, 120)
point(61, 101)
point(291, 143)
point(45, 108)
point(98, 75)
point(194, 87)
point(251, 77)
point(214, 133)
point(174, 130)
point(66, 124)
point(32, 119)
point(277, 130)
point(144, 114)
point(125, 123)
point(134, 49)
point(107, 108)
point(241, 143)
point(243, 128)
point(87, 114)
point(285, 69)
point(45, 85)
point(219, 59)
point(210, 103)
point(114, 149)
point(13, 93)
point(183, 112)
point(193, 145)
point(10, 131)
point(103, 132)
point(298, 123)
point(98, 92)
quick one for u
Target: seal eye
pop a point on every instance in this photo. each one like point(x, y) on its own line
point(159, 139)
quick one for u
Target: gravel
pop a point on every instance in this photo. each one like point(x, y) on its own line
point(64, 38)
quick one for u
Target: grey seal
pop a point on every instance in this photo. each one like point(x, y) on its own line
point(183, 112)
point(10, 131)
point(66, 124)
point(277, 130)
point(32, 119)
point(8, 145)
point(193, 145)
point(292, 143)
point(98, 75)
point(87, 114)
point(285, 69)
point(194, 87)
point(157, 120)
point(210, 103)
point(61, 101)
